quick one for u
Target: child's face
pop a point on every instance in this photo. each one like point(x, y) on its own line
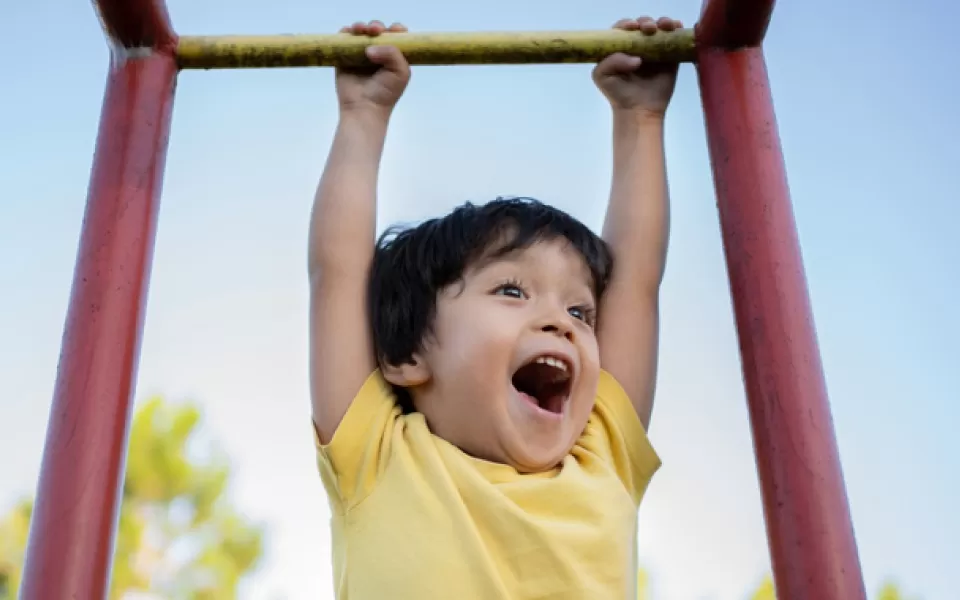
point(484, 390)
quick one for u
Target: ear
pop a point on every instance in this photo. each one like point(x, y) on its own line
point(409, 374)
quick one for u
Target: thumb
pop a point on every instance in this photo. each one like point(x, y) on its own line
point(388, 57)
point(617, 64)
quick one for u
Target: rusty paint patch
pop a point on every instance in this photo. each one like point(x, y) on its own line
point(342, 50)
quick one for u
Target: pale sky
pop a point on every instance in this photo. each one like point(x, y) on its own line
point(865, 97)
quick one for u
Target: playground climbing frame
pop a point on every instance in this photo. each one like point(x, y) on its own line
point(811, 539)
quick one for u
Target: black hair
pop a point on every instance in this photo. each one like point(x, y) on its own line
point(412, 265)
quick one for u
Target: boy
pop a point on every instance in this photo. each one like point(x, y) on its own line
point(482, 383)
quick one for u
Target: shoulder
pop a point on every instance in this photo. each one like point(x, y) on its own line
point(615, 434)
point(352, 462)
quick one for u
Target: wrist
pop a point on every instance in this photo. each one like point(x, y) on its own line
point(638, 118)
point(364, 115)
point(361, 134)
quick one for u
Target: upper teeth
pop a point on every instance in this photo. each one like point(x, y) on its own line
point(553, 362)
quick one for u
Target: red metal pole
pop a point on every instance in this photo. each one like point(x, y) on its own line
point(733, 23)
point(69, 553)
point(811, 538)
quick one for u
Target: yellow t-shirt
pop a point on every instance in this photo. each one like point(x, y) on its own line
point(415, 518)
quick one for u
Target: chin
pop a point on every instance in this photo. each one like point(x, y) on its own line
point(538, 439)
point(538, 457)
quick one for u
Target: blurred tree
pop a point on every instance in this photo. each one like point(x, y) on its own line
point(13, 541)
point(765, 591)
point(178, 535)
point(889, 591)
point(643, 585)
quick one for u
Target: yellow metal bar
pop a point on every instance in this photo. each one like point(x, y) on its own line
point(250, 51)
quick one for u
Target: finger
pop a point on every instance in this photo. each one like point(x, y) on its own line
point(665, 24)
point(647, 25)
point(358, 28)
point(375, 28)
point(626, 24)
point(397, 28)
point(388, 57)
point(617, 64)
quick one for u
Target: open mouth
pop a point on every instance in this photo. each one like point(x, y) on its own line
point(545, 381)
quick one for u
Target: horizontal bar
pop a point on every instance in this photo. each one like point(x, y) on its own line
point(345, 50)
point(733, 24)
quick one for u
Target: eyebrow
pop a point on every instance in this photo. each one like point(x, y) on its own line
point(586, 281)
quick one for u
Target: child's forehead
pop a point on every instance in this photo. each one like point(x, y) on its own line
point(544, 256)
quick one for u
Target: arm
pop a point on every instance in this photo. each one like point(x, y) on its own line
point(638, 218)
point(342, 229)
point(637, 230)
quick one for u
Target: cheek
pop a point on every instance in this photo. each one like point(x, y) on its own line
point(490, 341)
point(588, 345)
point(590, 358)
point(478, 341)
point(592, 352)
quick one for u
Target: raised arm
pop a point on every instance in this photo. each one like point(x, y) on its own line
point(638, 217)
point(342, 230)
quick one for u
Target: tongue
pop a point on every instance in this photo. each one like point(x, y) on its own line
point(550, 403)
point(542, 385)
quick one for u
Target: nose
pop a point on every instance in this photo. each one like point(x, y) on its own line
point(552, 317)
point(558, 329)
point(557, 323)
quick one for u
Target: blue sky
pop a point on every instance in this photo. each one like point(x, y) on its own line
point(866, 105)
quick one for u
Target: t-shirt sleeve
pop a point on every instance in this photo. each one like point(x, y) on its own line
point(352, 463)
point(615, 431)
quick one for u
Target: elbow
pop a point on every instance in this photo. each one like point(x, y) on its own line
point(327, 263)
point(644, 276)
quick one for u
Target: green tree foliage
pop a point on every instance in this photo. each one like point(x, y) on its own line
point(889, 591)
point(178, 536)
point(643, 585)
point(765, 590)
point(13, 542)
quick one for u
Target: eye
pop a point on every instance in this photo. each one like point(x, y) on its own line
point(582, 313)
point(510, 290)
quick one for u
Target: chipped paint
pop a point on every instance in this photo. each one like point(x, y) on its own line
point(237, 52)
point(81, 475)
point(812, 546)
